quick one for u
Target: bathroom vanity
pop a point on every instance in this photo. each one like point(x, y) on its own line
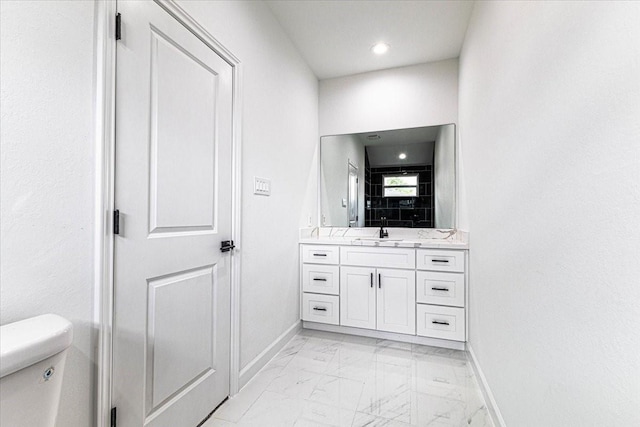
point(410, 287)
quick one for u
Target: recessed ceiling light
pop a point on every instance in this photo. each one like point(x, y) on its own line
point(402, 156)
point(380, 48)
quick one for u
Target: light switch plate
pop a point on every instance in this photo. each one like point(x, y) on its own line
point(261, 186)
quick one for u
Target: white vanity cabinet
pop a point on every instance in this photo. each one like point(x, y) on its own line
point(410, 294)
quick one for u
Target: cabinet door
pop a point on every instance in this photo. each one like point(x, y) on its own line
point(358, 297)
point(396, 301)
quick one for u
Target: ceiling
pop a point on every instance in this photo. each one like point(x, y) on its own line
point(418, 154)
point(399, 136)
point(384, 147)
point(335, 37)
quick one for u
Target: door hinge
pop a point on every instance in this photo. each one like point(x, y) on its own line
point(113, 417)
point(118, 26)
point(116, 221)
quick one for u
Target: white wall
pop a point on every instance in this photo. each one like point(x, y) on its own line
point(47, 172)
point(279, 137)
point(47, 179)
point(337, 153)
point(418, 95)
point(550, 131)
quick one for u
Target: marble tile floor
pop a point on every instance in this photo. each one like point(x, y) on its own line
point(326, 379)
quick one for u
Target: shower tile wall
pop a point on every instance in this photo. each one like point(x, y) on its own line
point(415, 212)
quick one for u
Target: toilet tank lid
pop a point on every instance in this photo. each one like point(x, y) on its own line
point(31, 340)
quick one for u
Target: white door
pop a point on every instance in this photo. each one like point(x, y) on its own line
point(396, 301)
point(358, 297)
point(173, 191)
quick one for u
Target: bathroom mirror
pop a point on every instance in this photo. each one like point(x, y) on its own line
point(406, 177)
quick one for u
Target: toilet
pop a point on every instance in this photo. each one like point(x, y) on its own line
point(32, 356)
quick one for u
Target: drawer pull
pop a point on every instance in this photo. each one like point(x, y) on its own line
point(379, 281)
point(440, 289)
point(440, 260)
point(319, 254)
point(320, 308)
point(372, 280)
point(319, 279)
point(438, 322)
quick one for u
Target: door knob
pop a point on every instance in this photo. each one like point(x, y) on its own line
point(226, 245)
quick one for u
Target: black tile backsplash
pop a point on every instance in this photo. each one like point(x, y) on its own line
point(414, 212)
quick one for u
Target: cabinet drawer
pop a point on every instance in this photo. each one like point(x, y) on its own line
point(320, 254)
point(439, 260)
point(440, 322)
point(320, 308)
point(440, 288)
point(321, 279)
point(378, 257)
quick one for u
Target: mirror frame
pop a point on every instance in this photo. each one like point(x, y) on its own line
point(456, 178)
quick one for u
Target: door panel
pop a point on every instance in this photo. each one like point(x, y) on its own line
point(173, 189)
point(180, 327)
point(182, 131)
point(397, 301)
point(358, 297)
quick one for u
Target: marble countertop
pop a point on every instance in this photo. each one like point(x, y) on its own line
point(398, 237)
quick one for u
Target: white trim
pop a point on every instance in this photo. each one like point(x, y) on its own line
point(104, 101)
point(175, 10)
point(413, 339)
point(492, 406)
point(236, 232)
point(267, 354)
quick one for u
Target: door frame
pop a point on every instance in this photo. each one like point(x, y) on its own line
point(104, 201)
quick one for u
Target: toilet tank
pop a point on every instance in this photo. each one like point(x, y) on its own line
point(32, 358)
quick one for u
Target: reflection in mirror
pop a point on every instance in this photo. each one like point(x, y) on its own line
point(404, 176)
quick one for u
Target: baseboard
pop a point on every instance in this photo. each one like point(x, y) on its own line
point(267, 354)
point(413, 339)
point(492, 406)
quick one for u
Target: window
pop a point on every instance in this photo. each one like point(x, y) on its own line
point(400, 185)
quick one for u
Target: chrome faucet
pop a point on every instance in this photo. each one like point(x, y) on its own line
point(383, 232)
